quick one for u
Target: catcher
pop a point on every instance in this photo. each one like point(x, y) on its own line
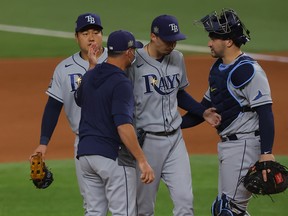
point(41, 176)
point(240, 92)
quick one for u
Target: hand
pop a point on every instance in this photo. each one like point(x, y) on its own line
point(147, 173)
point(42, 149)
point(93, 51)
point(266, 157)
point(212, 117)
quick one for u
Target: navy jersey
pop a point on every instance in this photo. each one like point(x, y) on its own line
point(106, 99)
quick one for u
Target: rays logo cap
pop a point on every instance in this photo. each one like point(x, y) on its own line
point(87, 19)
point(122, 40)
point(166, 27)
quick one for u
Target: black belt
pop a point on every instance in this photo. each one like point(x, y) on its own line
point(162, 133)
point(234, 136)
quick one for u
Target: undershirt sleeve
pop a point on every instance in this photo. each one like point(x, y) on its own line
point(49, 120)
point(188, 103)
point(266, 127)
point(191, 119)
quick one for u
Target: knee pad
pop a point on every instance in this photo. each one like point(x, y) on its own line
point(223, 207)
point(220, 207)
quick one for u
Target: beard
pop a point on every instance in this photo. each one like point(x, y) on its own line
point(215, 54)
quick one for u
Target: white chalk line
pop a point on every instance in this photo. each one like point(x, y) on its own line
point(182, 47)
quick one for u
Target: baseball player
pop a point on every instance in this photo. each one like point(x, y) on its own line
point(106, 99)
point(65, 81)
point(159, 78)
point(239, 90)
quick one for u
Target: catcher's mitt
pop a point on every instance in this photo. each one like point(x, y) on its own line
point(40, 175)
point(277, 178)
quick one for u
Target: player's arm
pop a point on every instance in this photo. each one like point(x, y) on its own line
point(266, 127)
point(129, 138)
point(188, 103)
point(49, 121)
point(191, 120)
point(247, 77)
point(197, 112)
point(122, 111)
point(267, 132)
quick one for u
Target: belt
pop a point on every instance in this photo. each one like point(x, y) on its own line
point(162, 133)
point(234, 136)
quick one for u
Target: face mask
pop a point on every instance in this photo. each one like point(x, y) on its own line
point(134, 59)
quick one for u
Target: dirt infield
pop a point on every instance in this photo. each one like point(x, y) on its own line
point(25, 81)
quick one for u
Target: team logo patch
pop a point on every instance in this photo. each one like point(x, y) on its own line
point(259, 95)
point(90, 19)
point(156, 30)
point(130, 43)
point(174, 27)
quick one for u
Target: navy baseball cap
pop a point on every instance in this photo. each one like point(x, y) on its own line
point(122, 40)
point(166, 27)
point(87, 19)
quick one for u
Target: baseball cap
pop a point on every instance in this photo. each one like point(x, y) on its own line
point(87, 19)
point(167, 28)
point(122, 40)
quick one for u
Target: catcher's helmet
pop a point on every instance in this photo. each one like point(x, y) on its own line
point(225, 26)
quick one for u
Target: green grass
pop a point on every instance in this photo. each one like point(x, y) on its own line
point(18, 196)
point(265, 19)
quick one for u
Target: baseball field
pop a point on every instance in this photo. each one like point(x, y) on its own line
point(36, 35)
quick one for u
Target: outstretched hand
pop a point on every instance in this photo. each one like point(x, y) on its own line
point(93, 54)
point(212, 117)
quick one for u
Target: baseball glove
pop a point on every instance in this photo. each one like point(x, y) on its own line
point(40, 175)
point(277, 178)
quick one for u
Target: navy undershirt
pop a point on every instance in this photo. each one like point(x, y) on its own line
point(49, 120)
point(186, 102)
point(266, 127)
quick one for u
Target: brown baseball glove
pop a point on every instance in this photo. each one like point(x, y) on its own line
point(40, 175)
point(277, 178)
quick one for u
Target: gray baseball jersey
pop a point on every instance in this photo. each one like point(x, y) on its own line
point(249, 96)
point(156, 85)
point(156, 110)
point(64, 83)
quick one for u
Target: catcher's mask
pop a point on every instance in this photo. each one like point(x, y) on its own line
point(225, 26)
